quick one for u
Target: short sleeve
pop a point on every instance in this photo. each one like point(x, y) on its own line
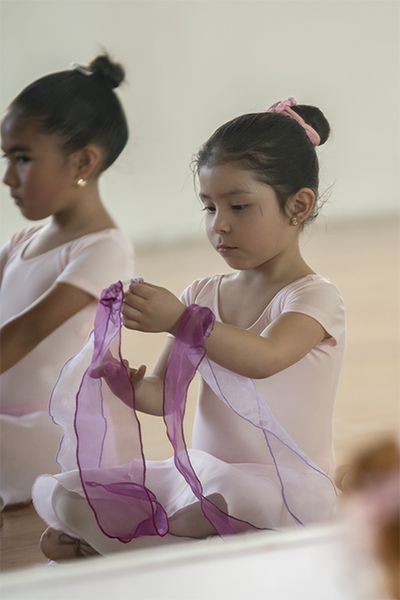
point(98, 260)
point(321, 300)
point(14, 244)
point(186, 296)
point(202, 291)
point(4, 252)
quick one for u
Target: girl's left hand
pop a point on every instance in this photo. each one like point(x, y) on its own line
point(151, 308)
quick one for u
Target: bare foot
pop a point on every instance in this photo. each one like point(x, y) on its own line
point(59, 546)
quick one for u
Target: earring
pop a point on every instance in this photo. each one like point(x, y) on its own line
point(294, 221)
point(81, 182)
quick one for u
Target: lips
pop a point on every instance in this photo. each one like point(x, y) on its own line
point(17, 199)
point(223, 248)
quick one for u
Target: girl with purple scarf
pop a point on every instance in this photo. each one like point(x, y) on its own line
point(268, 340)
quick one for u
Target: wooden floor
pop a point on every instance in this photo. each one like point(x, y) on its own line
point(362, 259)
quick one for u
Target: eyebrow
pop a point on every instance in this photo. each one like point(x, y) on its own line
point(16, 148)
point(235, 192)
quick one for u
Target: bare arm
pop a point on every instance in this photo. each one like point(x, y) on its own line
point(288, 339)
point(24, 332)
point(149, 390)
point(284, 342)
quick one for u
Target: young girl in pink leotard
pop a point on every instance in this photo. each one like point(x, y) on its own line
point(268, 340)
point(58, 136)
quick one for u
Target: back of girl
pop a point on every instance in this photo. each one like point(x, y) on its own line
point(58, 136)
point(268, 340)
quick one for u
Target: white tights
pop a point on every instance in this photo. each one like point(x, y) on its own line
point(187, 524)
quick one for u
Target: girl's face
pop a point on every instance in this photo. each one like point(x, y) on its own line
point(244, 221)
point(41, 178)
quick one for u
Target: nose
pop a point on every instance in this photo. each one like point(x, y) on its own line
point(221, 223)
point(9, 177)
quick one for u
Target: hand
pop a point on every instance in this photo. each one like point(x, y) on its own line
point(114, 375)
point(152, 309)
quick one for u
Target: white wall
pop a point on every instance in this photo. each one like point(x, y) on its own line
point(193, 65)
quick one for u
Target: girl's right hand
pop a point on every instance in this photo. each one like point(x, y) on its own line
point(151, 308)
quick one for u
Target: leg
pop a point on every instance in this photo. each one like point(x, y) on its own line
point(74, 512)
point(190, 520)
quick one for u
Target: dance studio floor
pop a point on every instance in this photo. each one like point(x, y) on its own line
point(362, 259)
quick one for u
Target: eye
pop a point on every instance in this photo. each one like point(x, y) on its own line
point(22, 159)
point(239, 207)
point(209, 209)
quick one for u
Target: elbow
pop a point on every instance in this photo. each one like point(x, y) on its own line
point(33, 337)
point(255, 371)
point(17, 341)
point(263, 373)
point(266, 368)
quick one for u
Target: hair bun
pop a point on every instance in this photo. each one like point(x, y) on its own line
point(111, 73)
point(315, 117)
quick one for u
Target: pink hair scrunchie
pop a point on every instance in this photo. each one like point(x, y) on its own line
point(284, 107)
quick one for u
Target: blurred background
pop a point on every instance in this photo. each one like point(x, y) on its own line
point(192, 65)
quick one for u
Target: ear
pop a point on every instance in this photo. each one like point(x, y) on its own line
point(301, 204)
point(88, 162)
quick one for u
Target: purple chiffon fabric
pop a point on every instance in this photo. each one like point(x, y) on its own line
point(101, 425)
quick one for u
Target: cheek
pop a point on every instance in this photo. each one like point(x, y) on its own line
point(33, 182)
point(45, 178)
point(208, 227)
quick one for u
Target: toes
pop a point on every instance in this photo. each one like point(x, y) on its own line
point(57, 545)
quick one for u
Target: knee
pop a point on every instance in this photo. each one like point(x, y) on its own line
point(191, 522)
point(219, 501)
point(67, 505)
point(59, 499)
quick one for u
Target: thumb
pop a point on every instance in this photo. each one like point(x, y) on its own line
point(136, 375)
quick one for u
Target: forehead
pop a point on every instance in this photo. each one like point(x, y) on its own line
point(224, 175)
point(14, 123)
point(20, 131)
point(228, 180)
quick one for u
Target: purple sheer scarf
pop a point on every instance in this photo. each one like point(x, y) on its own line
point(103, 433)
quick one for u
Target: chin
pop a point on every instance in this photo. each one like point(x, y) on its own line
point(33, 216)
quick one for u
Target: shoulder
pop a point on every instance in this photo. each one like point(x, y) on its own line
point(201, 291)
point(107, 238)
point(108, 247)
point(313, 289)
point(94, 261)
point(318, 298)
point(18, 241)
point(23, 236)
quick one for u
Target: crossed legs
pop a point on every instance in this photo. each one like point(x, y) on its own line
point(187, 524)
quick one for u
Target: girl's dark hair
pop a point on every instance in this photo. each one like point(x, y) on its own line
point(80, 106)
point(275, 147)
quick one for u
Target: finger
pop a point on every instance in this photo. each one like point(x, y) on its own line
point(97, 372)
point(130, 324)
point(132, 312)
point(139, 289)
point(134, 319)
point(137, 375)
point(134, 300)
point(105, 370)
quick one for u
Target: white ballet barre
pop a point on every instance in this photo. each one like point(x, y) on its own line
point(298, 564)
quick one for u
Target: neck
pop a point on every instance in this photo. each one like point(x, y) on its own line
point(280, 271)
point(86, 215)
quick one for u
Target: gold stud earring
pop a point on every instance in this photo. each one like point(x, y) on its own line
point(81, 182)
point(294, 221)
